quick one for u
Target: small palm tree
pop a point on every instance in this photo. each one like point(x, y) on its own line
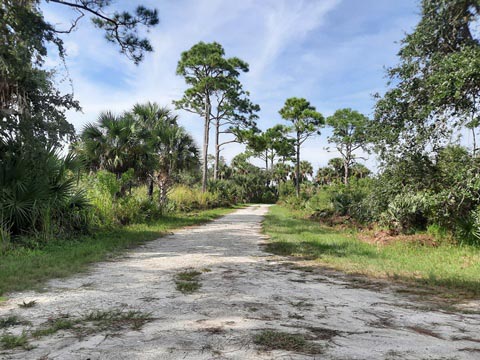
point(113, 143)
point(306, 170)
point(170, 148)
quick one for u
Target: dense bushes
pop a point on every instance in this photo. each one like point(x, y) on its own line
point(70, 204)
point(410, 194)
point(39, 196)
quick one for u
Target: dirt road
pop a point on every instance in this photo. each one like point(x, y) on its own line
point(130, 308)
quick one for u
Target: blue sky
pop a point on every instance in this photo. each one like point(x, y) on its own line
point(332, 52)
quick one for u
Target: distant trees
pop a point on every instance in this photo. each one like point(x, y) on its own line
point(334, 172)
point(349, 134)
point(271, 145)
point(306, 122)
point(215, 93)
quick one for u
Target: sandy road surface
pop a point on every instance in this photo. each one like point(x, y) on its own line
point(245, 292)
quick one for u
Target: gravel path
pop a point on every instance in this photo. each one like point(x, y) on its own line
point(244, 291)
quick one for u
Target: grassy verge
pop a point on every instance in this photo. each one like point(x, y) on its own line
point(454, 267)
point(23, 268)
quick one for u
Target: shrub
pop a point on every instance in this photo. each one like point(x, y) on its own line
point(185, 198)
point(39, 196)
point(407, 212)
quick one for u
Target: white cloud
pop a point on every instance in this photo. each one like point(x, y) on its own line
point(278, 38)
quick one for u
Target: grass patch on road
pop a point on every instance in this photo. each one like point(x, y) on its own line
point(187, 282)
point(452, 266)
point(118, 319)
point(24, 268)
point(11, 320)
point(277, 340)
point(53, 326)
point(9, 341)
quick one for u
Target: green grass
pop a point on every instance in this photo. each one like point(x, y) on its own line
point(117, 319)
point(187, 281)
point(54, 326)
point(189, 275)
point(451, 266)
point(277, 340)
point(187, 287)
point(9, 341)
point(11, 320)
point(24, 268)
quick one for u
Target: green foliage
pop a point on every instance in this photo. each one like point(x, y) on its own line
point(304, 117)
point(407, 212)
point(277, 340)
point(209, 74)
point(32, 109)
point(147, 139)
point(455, 267)
point(436, 84)
point(349, 200)
point(349, 135)
point(271, 145)
point(184, 198)
point(40, 197)
point(9, 341)
point(306, 122)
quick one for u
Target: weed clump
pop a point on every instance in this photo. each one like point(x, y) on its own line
point(187, 282)
point(277, 340)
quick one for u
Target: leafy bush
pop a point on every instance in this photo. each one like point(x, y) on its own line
point(39, 196)
point(185, 198)
point(407, 212)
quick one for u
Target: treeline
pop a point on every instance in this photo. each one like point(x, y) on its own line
point(427, 180)
point(138, 165)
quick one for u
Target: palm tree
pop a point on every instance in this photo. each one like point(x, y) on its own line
point(147, 139)
point(306, 170)
point(360, 171)
point(325, 176)
point(112, 144)
point(171, 148)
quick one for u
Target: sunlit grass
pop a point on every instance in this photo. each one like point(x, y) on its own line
point(452, 266)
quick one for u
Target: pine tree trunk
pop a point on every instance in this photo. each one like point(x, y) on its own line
point(206, 138)
point(297, 167)
point(474, 142)
point(345, 167)
point(217, 149)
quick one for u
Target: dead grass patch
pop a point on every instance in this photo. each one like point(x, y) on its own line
point(424, 331)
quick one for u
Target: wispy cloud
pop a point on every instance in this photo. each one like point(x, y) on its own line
point(329, 51)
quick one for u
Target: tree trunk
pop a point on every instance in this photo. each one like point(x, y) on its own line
point(217, 149)
point(297, 167)
point(474, 142)
point(163, 183)
point(150, 189)
point(162, 197)
point(266, 160)
point(206, 138)
point(345, 176)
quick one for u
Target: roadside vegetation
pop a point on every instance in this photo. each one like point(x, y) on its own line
point(72, 197)
point(452, 266)
point(28, 268)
